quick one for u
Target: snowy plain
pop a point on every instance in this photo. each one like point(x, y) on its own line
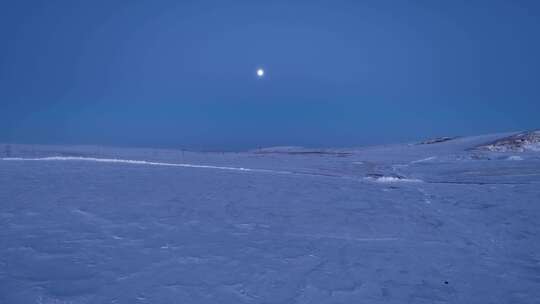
point(441, 222)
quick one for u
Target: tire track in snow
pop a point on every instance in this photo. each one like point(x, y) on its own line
point(237, 169)
point(163, 164)
point(186, 165)
point(144, 162)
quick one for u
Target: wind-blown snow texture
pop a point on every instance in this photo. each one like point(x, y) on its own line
point(440, 222)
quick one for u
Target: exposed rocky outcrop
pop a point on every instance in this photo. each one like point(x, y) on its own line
point(521, 142)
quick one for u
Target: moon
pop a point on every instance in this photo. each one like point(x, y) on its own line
point(260, 73)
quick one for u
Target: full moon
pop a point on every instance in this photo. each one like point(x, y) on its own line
point(260, 72)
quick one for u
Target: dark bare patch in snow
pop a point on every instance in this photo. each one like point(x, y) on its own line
point(292, 150)
point(437, 140)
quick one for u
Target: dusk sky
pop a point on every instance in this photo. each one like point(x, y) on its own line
point(182, 74)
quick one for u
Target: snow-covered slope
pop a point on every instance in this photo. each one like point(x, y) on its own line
point(433, 223)
point(525, 141)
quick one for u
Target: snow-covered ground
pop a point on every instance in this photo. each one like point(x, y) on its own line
point(438, 222)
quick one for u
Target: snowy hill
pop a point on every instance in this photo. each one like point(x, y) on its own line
point(525, 141)
point(441, 222)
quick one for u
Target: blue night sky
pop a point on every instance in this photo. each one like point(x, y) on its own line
point(338, 73)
